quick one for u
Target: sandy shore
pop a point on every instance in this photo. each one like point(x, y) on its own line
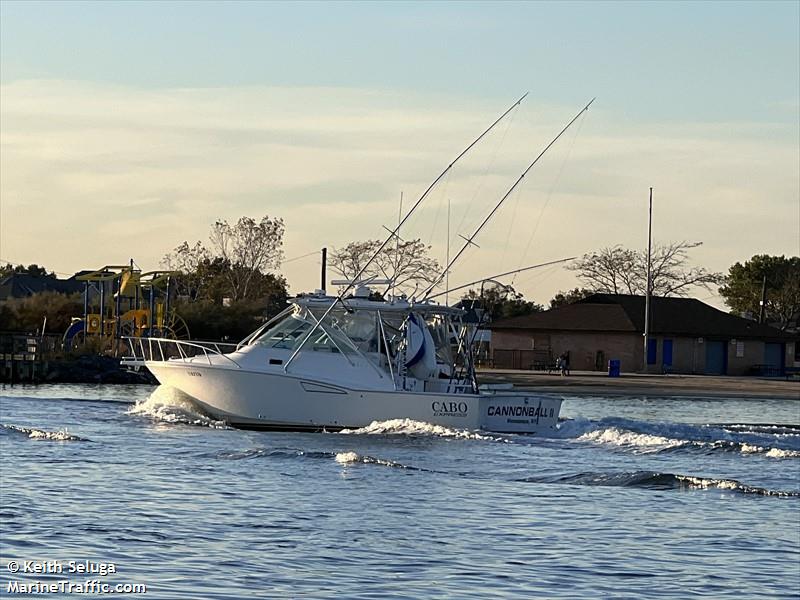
point(586, 383)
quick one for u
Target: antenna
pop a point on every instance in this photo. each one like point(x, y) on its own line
point(447, 259)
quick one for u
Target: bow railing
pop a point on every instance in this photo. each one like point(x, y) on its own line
point(152, 349)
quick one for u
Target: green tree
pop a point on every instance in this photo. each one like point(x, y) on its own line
point(27, 314)
point(209, 321)
point(34, 270)
point(743, 287)
point(563, 298)
point(502, 302)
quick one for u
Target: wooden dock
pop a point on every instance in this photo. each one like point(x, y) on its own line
point(26, 358)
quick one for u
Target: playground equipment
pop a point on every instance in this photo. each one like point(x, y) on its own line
point(121, 301)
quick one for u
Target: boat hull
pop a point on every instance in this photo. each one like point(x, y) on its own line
point(258, 400)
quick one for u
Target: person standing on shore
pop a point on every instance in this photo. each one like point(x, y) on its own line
point(563, 363)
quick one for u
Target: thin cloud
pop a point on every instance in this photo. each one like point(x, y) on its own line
point(135, 172)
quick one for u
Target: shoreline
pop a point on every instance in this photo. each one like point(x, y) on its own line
point(588, 383)
point(84, 368)
point(106, 370)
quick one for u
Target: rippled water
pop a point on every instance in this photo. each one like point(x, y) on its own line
point(632, 497)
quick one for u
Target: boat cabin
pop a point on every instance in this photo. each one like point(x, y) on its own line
point(413, 346)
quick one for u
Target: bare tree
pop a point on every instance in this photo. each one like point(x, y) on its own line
point(238, 257)
point(250, 248)
point(185, 257)
point(406, 264)
point(620, 270)
point(613, 270)
point(350, 260)
point(187, 260)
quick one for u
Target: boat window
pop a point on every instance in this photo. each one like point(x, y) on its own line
point(290, 332)
point(286, 333)
point(361, 328)
point(439, 328)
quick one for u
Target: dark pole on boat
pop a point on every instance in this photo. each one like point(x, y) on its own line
point(469, 240)
point(324, 267)
point(165, 317)
point(648, 286)
point(396, 230)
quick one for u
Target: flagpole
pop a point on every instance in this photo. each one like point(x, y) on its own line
point(648, 286)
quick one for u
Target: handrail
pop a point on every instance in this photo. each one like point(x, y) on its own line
point(181, 346)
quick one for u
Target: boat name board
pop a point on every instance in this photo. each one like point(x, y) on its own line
point(520, 411)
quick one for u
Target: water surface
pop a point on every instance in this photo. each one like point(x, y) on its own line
point(635, 497)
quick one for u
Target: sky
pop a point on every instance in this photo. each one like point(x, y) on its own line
point(127, 128)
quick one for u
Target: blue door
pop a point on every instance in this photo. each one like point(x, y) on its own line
point(666, 354)
point(652, 345)
point(774, 356)
point(715, 358)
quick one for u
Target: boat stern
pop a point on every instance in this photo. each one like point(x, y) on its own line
point(519, 413)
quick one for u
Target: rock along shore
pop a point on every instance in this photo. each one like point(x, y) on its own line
point(93, 369)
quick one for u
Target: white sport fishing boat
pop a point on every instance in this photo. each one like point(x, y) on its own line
point(343, 362)
point(361, 362)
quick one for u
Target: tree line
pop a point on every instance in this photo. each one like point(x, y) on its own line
point(225, 286)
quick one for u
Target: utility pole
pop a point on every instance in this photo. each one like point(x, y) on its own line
point(648, 286)
point(763, 300)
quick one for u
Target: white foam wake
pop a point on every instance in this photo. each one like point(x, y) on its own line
point(170, 405)
point(641, 443)
point(641, 437)
point(40, 434)
point(347, 457)
point(351, 458)
point(411, 427)
point(770, 452)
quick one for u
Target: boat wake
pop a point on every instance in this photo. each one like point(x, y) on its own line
point(343, 458)
point(40, 434)
point(353, 458)
point(637, 437)
point(641, 437)
point(410, 427)
point(653, 480)
point(171, 406)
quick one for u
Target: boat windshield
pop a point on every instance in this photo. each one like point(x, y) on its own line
point(288, 334)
